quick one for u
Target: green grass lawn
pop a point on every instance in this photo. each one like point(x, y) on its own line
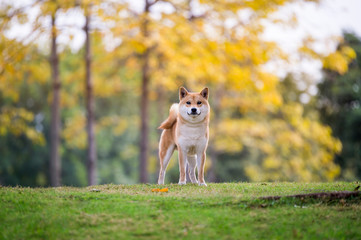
point(219, 211)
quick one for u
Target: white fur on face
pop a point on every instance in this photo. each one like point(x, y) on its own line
point(185, 111)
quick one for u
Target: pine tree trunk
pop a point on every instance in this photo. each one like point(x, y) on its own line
point(213, 153)
point(55, 162)
point(161, 112)
point(91, 150)
point(144, 104)
point(144, 135)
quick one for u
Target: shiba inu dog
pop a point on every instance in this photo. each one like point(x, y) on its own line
point(187, 130)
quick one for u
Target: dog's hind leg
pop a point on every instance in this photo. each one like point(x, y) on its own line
point(192, 161)
point(164, 157)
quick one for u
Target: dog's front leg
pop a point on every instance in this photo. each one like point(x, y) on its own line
point(192, 163)
point(201, 160)
point(182, 165)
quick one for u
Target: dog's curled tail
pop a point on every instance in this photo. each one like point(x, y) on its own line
point(172, 118)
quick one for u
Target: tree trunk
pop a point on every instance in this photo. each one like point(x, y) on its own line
point(91, 150)
point(161, 107)
point(55, 162)
point(213, 153)
point(144, 103)
point(161, 114)
point(144, 115)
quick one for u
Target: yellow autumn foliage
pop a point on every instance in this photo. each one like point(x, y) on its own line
point(18, 121)
point(74, 132)
point(337, 62)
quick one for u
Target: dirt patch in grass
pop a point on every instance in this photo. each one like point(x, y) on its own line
point(320, 195)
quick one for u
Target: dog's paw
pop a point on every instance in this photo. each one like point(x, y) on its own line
point(182, 183)
point(202, 184)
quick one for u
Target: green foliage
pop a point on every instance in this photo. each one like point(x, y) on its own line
point(339, 103)
point(219, 211)
point(22, 129)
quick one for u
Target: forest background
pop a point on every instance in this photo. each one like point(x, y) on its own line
point(89, 115)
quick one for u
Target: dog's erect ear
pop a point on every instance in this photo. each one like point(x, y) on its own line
point(204, 93)
point(182, 93)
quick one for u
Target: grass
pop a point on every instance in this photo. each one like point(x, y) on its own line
point(219, 211)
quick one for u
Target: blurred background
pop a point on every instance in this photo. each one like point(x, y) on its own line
point(85, 84)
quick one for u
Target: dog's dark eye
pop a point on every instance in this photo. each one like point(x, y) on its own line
point(199, 102)
point(188, 103)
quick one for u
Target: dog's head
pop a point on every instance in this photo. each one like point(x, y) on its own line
point(193, 107)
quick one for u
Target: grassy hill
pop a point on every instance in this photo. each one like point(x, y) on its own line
point(219, 211)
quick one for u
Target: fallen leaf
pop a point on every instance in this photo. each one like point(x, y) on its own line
point(160, 190)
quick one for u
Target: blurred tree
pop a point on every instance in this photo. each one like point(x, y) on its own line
point(91, 149)
point(21, 125)
point(55, 128)
point(19, 109)
point(144, 102)
point(339, 100)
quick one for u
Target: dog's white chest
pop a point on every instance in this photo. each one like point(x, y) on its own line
point(192, 138)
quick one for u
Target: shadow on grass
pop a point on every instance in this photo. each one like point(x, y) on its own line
point(343, 198)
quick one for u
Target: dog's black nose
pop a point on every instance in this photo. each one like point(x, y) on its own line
point(194, 110)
